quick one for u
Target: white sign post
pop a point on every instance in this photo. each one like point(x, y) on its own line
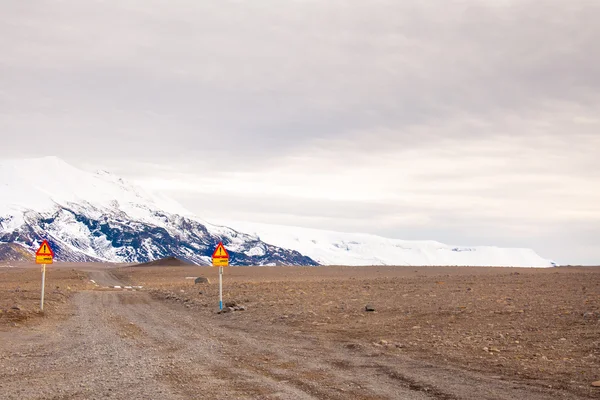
point(220, 288)
point(43, 286)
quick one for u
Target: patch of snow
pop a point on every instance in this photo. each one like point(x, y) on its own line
point(256, 251)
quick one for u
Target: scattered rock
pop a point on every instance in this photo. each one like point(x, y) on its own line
point(230, 307)
point(369, 308)
point(494, 350)
point(596, 384)
point(17, 307)
point(486, 349)
point(201, 280)
point(589, 315)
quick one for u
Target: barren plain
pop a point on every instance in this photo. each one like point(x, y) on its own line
point(300, 333)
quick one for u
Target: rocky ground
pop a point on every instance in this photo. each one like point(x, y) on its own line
point(539, 326)
point(311, 333)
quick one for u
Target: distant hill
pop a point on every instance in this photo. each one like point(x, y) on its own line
point(15, 252)
point(167, 262)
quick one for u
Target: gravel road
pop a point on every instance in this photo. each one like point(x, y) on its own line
point(125, 345)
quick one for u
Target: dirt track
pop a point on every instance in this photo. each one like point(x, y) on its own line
point(126, 344)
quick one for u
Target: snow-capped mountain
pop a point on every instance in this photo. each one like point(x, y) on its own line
point(338, 248)
point(100, 217)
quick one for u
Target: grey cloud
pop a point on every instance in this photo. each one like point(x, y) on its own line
point(269, 78)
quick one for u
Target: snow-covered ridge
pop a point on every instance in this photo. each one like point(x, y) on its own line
point(101, 217)
point(339, 248)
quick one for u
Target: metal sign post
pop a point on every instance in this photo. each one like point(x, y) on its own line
point(220, 258)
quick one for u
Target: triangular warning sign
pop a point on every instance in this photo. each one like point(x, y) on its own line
point(45, 250)
point(220, 252)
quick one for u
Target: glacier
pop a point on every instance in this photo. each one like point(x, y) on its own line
point(101, 217)
point(341, 248)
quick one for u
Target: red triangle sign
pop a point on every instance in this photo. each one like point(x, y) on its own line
point(220, 251)
point(45, 250)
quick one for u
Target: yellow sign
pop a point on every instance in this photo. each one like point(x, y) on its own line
point(220, 262)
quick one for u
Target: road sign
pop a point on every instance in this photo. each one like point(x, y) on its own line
point(220, 257)
point(44, 255)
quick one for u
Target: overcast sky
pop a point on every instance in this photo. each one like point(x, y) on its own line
point(472, 122)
